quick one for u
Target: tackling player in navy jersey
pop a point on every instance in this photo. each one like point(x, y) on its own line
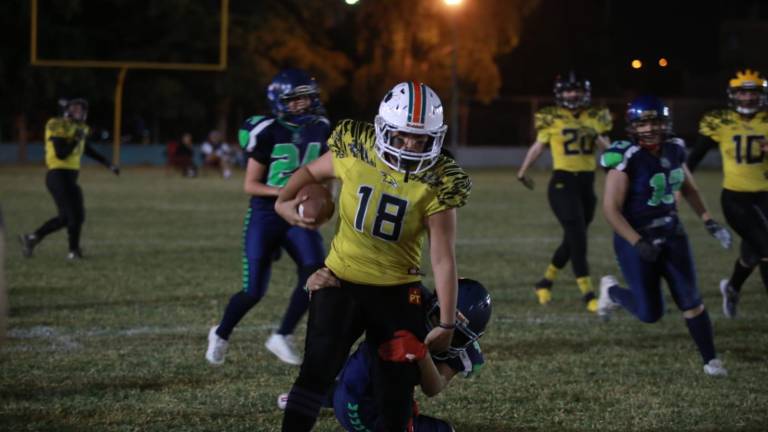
point(645, 174)
point(276, 146)
point(352, 398)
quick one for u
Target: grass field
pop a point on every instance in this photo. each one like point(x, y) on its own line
point(116, 342)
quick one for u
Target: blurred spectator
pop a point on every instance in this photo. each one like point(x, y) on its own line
point(217, 153)
point(181, 155)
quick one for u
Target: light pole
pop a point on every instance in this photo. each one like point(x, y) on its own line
point(454, 124)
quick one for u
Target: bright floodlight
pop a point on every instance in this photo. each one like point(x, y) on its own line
point(663, 62)
point(637, 64)
point(452, 2)
point(351, 2)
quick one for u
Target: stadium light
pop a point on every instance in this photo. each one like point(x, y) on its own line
point(351, 2)
point(663, 62)
point(636, 64)
point(452, 2)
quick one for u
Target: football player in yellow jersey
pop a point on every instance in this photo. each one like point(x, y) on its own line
point(65, 144)
point(397, 189)
point(740, 131)
point(571, 129)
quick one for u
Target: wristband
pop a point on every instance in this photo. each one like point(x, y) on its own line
point(447, 326)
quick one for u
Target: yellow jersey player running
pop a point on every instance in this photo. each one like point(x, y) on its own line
point(396, 188)
point(740, 131)
point(571, 129)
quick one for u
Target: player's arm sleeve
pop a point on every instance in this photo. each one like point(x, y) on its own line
point(452, 191)
point(617, 156)
point(703, 144)
point(92, 153)
point(604, 122)
point(339, 143)
point(255, 140)
point(543, 121)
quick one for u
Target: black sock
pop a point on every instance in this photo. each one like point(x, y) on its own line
point(239, 305)
point(740, 274)
point(764, 273)
point(700, 328)
point(296, 308)
point(51, 225)
point(301, 410)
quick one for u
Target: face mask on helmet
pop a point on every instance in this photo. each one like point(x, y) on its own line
point(75, 109)
point(649, 121)
point(748, 92)
point(473, 311)
point(572, 91)
point(294, 96)
point(411, 111)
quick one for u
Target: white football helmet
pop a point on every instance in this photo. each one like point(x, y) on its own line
point(410, 107)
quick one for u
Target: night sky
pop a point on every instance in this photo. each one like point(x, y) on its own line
point(704, 43)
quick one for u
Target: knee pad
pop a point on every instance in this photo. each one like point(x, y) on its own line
point(749, 257)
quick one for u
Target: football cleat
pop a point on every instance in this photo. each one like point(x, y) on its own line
point(75, 255)
point(605, 305)
point(544, 295)
point(592, 305)
point(282, 401)
point(715, 368)
point(217, 348)
point(282, 346)
point(28, 243)
point(730, 298)
point(544, 291)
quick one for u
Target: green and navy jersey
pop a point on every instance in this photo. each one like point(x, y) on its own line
point(282, 148)
point(653, 180)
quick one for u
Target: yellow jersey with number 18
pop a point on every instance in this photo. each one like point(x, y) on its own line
point(571, 138)
point(381, 216)
point(745, 166)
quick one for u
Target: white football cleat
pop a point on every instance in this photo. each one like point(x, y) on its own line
point(605, 305)
point(217, 348)
point(715, 368)
point(282, 400)
point(283, 348)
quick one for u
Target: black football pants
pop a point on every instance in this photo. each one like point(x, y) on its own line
point(572, 199)
point(62, 184)
point(337, 318)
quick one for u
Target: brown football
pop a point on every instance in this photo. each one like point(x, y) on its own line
point(319, 204)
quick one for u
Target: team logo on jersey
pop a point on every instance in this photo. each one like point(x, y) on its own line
point(665, 163)
point(414, 295)
point(388, 179)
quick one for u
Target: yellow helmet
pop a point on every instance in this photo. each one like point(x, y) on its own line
point(752, 92)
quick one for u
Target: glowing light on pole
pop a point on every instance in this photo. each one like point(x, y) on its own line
point(663, 62)
point(636, 64)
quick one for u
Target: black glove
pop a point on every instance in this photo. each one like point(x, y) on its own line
point(115, 169)
point(648, 251)
point(527, 182)
point(720, 233)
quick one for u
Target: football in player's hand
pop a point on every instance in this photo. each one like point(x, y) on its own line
point(318, 205)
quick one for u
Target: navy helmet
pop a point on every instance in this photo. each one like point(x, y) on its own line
point(572, 81)
point(289, 84)
point(648, 108)
point(473, 311)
